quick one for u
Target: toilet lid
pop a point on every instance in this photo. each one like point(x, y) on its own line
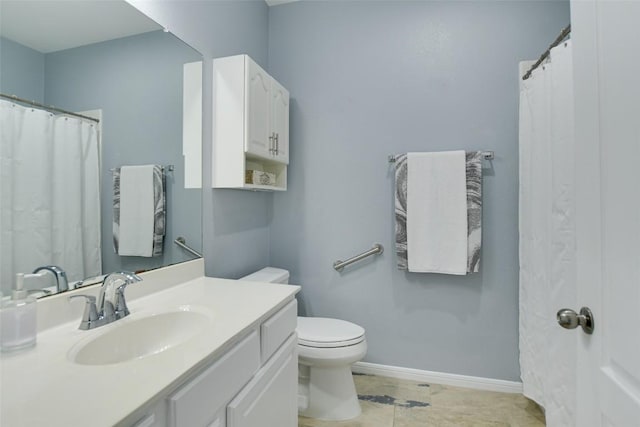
point(324, 332)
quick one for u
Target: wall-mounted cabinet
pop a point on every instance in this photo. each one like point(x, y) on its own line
point(251, 126)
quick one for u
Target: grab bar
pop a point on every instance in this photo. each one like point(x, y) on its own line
point(182, 242)
point(377, 249)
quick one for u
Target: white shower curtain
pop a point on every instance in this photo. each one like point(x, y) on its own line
point(547, 237)
point(49, 193)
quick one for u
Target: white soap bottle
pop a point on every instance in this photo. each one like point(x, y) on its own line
point(18, 319)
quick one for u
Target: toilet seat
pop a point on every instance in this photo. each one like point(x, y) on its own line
point(320, 332)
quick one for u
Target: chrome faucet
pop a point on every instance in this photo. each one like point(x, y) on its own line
point(62, 284)
point(111, 304)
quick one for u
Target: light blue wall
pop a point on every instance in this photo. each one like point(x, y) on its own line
point(137, 82)
point(369, 79)
point(235, 223)
point(22, 71)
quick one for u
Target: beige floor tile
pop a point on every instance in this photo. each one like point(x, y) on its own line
point(411, 417)
point(373, 415)
point(446, 417)
point(510, 408)
point(390, 402)
point(403, 392)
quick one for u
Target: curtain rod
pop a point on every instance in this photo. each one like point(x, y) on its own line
point(47, 107)
point(546, 53)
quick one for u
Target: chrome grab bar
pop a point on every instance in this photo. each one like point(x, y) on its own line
point(377, 249)
point(182, 242)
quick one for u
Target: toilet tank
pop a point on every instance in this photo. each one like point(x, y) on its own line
point(269, 274)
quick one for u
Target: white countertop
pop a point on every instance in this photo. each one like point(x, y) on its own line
point(43, 387)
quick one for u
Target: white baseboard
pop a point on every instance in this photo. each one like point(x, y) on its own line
point(455, 380)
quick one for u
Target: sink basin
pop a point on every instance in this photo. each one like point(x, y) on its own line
point(141, 337)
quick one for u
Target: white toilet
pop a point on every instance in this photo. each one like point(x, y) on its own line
point(326, 350)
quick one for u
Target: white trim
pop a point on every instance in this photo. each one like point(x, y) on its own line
point(479, 383)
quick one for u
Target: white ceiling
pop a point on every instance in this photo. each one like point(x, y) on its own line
point(52, 25)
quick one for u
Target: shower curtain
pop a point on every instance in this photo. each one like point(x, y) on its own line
point(547, 237)
point(49, 193)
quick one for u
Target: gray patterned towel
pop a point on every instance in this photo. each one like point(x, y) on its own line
point(474, 210)
point(401, 211)
point(160, 211)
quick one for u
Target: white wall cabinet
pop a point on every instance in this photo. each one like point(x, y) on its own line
point(244, 387)
point(251, 125)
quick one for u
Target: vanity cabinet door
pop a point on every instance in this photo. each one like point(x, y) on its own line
point(200, 402)
point(270, 399)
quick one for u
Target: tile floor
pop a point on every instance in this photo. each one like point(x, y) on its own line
point(388, 402)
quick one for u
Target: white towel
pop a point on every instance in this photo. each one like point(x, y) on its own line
point(437, 212)
point(136, 211)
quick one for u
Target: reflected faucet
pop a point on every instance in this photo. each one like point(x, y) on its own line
point(111, 304)
point(62, 284)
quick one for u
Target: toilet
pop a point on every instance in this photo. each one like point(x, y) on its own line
point(326, 350)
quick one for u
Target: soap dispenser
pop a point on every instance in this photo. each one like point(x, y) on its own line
point(18, 319)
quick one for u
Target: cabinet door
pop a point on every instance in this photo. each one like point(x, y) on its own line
point(280, 121)
point(257, 125)
point(199, 401)
point(270, 398)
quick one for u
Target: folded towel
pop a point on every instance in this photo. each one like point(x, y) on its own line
point(437, 212)
point(139, 210)
point(474, 210)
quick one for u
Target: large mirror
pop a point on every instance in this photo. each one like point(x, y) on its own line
point(59, 202)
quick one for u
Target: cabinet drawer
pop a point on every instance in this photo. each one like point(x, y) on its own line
point(197, 403)
point(277, 328)
point(270, 399)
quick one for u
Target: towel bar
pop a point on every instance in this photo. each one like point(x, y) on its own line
point(487, 155)
point(377, 249)
point(167, 168)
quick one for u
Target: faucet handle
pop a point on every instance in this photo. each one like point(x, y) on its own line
point(90, 311)
point(121, 303)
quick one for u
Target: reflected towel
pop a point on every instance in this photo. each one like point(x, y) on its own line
point(139, 210)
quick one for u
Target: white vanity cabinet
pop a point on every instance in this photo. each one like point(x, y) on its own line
point(254, 383)
point(251, 125)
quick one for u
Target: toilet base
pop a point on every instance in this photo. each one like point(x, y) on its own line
point(328, 393)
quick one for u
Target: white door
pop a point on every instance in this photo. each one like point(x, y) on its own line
point(606, 41)
point(258, 84)
point(280, 121)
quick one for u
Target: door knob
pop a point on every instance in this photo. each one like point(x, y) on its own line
point(569, 319)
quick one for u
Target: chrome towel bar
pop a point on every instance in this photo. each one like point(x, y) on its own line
point(182, 242)
point(377, 249)
point(486, 155)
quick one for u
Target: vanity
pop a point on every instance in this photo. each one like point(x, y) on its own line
point(195, 351)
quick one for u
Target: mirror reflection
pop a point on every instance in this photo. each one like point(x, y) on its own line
point(82, 196)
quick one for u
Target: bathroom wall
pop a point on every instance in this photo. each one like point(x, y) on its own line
point(235, 223)
point(369, 79)
point(137, 82)
point(22, 71)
